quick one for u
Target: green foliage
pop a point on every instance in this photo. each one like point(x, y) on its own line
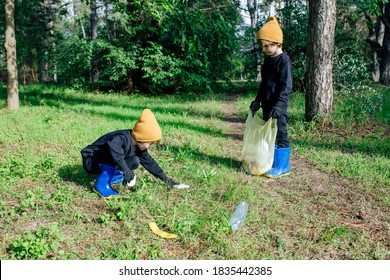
point(74, 62)
point(175, 46)
point(349, 70)
point(155, 46)
point(361, 102)
point(203, 40)
point(114, 62)
point(161, 70)
point(38, 244)
point(295, 25)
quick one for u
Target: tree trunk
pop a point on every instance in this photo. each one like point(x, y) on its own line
point(375, 40)
point(385, 57)
point(44, 52)
point(379, 35)
point(320, 50)
point(10, 45)
point(93, 19)
point(252, 9)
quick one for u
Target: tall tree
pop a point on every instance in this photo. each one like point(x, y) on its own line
point(93, 21)
point(385, 57)
point(44, 45)
point(319, 80)
point(252, 7)
point(376, 33)
point(379, 36)
point(10, 45)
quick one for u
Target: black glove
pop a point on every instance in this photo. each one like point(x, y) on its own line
point(275, 112)
point(129, 175)
point(254, 107)
point(171, 183)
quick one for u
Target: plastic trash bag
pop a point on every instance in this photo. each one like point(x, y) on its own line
point(259, 144)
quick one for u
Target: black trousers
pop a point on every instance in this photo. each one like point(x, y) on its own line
point(91, 163)
point(282, 135)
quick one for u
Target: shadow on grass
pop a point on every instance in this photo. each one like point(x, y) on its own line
point(197, 156)
point(363, 147)
point(36, 98)
point(76, 174)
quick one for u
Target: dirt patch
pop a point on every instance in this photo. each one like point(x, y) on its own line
point(327, 198)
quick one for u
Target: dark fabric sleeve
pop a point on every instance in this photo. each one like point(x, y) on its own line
point(285, 83)
point(116, 147)
point(260, 92)
point(152, 166)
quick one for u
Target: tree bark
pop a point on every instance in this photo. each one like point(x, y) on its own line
point(385, 57)
point(252, 6)
point(44, 64)
point(375, 40)
point(320, 50)
point(93, 20)
point(10, 45)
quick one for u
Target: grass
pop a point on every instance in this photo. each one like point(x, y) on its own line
point(49, 211)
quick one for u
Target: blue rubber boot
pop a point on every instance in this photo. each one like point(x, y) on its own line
point(275, 159)
point(102, 185)
point(118, 177)
point(282, 164)
point(274, 163)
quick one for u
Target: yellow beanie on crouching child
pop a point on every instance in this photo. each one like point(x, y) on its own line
point(271, 31)
point(146, 128)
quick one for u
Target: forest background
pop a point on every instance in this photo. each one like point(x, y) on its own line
point(88, 67)
point(178, 45)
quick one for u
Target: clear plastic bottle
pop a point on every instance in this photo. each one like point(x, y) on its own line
point(238, 217)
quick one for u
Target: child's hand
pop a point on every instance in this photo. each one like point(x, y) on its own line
point(174, 185)
point(275, 112)
point(129, 175)
point(254, 107)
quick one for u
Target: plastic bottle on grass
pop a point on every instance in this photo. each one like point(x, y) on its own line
point(238, 217)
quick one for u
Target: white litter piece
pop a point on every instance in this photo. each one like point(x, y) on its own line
point(181, 186)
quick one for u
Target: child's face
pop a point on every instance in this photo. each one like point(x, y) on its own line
point(269, 48)
point(144, 145)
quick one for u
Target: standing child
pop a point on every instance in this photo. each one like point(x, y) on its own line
point(275, 89)
point(116, 154)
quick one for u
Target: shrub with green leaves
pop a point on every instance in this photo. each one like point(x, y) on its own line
point(37, 245)
point(349, 69)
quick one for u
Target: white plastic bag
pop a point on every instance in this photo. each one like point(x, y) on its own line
point(259, 144)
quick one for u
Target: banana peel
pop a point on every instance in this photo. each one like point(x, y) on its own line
point(159, 232)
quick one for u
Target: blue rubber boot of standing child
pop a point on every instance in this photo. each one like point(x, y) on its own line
point(102, 185)
point(274, 162)
point(118, 177)
point(282, 164)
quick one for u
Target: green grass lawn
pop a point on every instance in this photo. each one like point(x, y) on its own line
point(49, 211)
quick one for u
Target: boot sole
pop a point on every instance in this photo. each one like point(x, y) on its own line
point(273, 177)
point(105, 197)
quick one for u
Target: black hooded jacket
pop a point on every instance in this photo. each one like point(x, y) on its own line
point(276, 82)
point(116, 147)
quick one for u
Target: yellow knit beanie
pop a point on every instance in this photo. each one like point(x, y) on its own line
point(271, 31)
point(146, 128)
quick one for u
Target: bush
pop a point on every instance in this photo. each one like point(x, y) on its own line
point(349, 69)
point(36, 245)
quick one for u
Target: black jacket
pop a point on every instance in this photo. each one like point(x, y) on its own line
point(276, 82)
point(116, 147)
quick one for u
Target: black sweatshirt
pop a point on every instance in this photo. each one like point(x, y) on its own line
point(115, 147)
point(276, 82)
